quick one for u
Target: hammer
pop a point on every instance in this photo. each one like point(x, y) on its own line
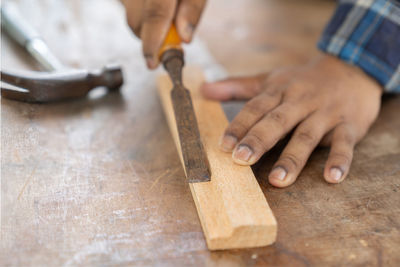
point(59, 82)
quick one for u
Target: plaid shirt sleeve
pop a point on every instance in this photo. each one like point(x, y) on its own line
point(366, 33)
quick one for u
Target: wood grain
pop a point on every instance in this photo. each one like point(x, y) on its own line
point(98, 182)
point(232, 208)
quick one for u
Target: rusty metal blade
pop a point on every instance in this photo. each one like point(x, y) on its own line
point(194, 156)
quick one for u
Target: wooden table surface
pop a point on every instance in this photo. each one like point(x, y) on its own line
point(98, 182)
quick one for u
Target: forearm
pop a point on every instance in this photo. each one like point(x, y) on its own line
point(366, 33)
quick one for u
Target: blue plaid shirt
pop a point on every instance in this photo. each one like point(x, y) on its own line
point(366, 33)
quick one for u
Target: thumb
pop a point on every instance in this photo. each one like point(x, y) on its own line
point(233, 88)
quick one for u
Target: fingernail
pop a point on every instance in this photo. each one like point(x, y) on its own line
point(228, 143)
point(188, 31)
point(243, 153)
point(335, 174)
point(151, 63)
point(278, 173)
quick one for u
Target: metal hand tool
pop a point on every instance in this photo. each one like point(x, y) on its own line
point(195, 159)
point(60, 82)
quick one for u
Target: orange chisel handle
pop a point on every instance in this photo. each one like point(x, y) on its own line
point(172, 41)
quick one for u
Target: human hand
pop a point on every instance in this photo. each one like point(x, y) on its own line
point(150, 20)
point(328, 102)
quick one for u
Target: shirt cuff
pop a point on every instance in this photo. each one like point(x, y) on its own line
point(366, 33)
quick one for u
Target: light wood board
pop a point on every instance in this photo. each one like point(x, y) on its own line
point(98, 182)
point(232, 208)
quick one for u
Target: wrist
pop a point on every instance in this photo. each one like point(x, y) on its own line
point(342, 68)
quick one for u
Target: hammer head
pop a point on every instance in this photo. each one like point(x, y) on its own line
point(42, 87)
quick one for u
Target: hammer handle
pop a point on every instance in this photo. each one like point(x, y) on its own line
point(25, 35)
point(15, 25)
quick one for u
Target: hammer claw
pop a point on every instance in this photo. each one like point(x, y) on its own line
point(16, 80)
point(16, 95)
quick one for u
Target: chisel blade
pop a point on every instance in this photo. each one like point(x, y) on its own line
point(193, 153)
point(197, 167)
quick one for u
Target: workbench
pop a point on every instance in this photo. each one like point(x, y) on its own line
point(98, 181)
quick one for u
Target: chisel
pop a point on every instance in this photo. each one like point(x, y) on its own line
point(195, 159)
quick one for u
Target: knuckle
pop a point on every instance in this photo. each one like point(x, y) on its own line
point(343, 157)
point(136, 29)
point(155, 12)
point(348, 138)
point(148, 53)
point(253, 108)
point(278, 117)
point(195, 6)
point(256, 140)
point(237, 128)
point(292, 160)
point(345, 135)
point(134, 24)
point(306, 137)
point(271, 92)
point(131, 22)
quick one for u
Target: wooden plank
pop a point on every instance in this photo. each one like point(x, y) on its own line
point(232, 208)
point(84, 183)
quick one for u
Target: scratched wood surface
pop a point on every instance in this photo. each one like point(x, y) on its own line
point(98, 181)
